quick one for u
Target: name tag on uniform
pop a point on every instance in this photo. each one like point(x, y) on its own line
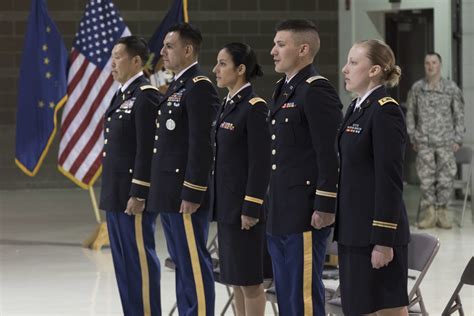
point(354, 128)
point(288, 105)
point(227, 125)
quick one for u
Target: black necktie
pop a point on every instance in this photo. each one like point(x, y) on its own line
point(120, 94)
point(226, 103)
point(284, 87)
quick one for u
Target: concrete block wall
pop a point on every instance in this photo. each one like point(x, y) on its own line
point(221, 21)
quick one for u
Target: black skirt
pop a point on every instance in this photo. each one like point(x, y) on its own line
point(366, 290)
point(243, 257)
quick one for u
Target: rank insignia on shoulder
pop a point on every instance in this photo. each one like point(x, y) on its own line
point(149, 86)
point(387, 100)
point(314, 78)
point(288, 105)
point(200, 78)
point(255, 100)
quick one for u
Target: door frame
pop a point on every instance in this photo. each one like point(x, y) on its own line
point(364, 19)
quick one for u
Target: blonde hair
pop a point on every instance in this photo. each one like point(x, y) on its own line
point(379, 53)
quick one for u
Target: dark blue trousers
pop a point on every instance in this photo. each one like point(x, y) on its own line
point(137, 268)
point(298, 261)
point(186, 238)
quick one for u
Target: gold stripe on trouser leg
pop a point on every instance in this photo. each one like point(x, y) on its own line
point(307, 273)
point(196, 265)
point(143, 265)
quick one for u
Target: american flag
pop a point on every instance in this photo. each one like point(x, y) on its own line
point(90, 89)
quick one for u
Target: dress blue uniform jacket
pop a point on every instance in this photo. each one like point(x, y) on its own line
point(304, 119)
point(242, 158)
point(371, 145)
point(182, 153)
point(128, 139)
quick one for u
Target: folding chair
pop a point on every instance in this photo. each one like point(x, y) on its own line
point(212, 247)
point(421, 251)
point(333, 304)
point(454, 303)
point(271, 297)
point(464, 157)
point(329, 273)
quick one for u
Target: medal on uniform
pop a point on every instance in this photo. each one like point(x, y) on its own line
point(169, 103)
point(170, 124)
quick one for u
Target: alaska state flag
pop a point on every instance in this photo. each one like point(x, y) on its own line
point(41, 88)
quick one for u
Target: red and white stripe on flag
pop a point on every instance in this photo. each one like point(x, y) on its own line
point(90, 89)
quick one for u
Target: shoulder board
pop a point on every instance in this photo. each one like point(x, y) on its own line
point(387, 100)
point(148, 86)
point(314, 78)
point(255, 100)
point(200, 78)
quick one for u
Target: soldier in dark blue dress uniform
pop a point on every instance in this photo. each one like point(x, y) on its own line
point(304, 118)
point(372, 229)
point(181, 164)
point(129, 129)
point(240, 177)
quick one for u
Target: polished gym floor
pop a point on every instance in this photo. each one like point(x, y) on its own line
point(45, 271)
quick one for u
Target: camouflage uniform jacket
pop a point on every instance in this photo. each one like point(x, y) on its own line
point(435, 116)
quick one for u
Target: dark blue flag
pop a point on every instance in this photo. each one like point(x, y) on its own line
point(177, 13)
point(41, 88)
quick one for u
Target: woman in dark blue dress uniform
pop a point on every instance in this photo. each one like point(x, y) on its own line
point(371, 227)
point(240, 177)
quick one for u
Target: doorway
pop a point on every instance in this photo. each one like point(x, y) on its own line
point(410, 34)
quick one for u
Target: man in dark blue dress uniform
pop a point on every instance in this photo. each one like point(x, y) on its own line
point(128, 141)
point(304, 118)
point(182, 159)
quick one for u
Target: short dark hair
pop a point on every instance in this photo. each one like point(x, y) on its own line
point(296, 26)
point(433, 53)
point(190, 34)
point(305, 32)
point(243, 54)
point(135, 46)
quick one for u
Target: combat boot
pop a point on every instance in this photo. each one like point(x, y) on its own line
point(428, 218)
point(443, 219)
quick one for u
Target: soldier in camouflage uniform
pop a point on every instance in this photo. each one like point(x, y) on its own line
point(435, 123)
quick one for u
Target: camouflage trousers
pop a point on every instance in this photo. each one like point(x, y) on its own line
point(436, 168)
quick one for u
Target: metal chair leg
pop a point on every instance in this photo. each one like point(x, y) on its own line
point(173, 309)
point(227, 304)
point(466, 193)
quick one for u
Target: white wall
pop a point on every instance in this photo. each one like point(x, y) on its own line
point(468, 68)
point(365, 19)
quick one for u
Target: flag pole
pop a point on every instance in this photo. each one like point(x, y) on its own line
point(94, 204)
point(100, 237)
